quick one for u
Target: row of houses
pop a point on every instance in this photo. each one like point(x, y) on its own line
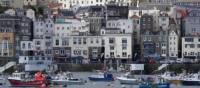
point(97, 34)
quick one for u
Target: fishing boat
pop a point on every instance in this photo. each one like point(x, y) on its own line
point(191, 79)
point(20, 79)
point(128, 79)
point(67, 79)
point(102, 77)
point(172, 77)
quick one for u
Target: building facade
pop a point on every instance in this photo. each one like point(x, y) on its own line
point(66, 4)
point(146, 23)
point(7, 37)
point(173, 43)
point(191, 24)
point(118, 47)
point(190, 47)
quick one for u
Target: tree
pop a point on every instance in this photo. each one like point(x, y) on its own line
point(2, 9)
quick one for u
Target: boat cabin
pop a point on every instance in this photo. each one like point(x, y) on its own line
point(18, 75)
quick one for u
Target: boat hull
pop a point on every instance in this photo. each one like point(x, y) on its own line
point(19, 83)
point(160, 85)
point(66, 82)
point(129, 82)
point(100, 79)
point(190, 83)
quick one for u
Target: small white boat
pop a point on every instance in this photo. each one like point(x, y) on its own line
point(67, 79)
point(172, 77)
point(128, 79)
point(191, 80)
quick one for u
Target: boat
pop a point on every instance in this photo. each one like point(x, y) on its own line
point(172, 77)
point(21, 79)
point(128, 79)
point(161, 83)
point(67, 79)
point(102, 77)
point(191, 79)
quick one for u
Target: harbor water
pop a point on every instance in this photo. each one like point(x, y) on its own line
point(114, 84)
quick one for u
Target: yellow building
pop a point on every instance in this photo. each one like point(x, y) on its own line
point(7, 45)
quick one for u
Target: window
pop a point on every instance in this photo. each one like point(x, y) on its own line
point(185, 45)
point(111, 54)
point(185, 53)
point(29, 45)
point(65, 41)
point(84, 41)
point(193, 30)
point(112, 47)
point(74, 40)
point(163, 44)
point(124, 54)
point(124, 40)
point(79, 40)
point(198, 45)
point(163, 19)
point(157, 44)
point(91, 41)
point(192, 45)
point(124, 47)
point(97, 40)
point(163, 51)
point(111, 40)
point(103, 42)
point(189, 39)
point(37, 42)
point(62, 51)
point(57, 42)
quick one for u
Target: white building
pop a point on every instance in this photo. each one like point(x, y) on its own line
point(125, 25)
point(139, 11)
point(37, 54)
point(66, 4)
point(30, 14)
point(66, 27)
point(43, 35)
point(191, 47)
point(173, 42)
point(78, 46)
point(118, 46)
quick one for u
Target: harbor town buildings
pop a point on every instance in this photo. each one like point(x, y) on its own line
point(97, 31)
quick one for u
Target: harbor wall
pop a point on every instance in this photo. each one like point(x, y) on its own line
point(149, 68)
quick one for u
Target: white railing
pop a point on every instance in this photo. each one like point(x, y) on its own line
point(7, 66)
